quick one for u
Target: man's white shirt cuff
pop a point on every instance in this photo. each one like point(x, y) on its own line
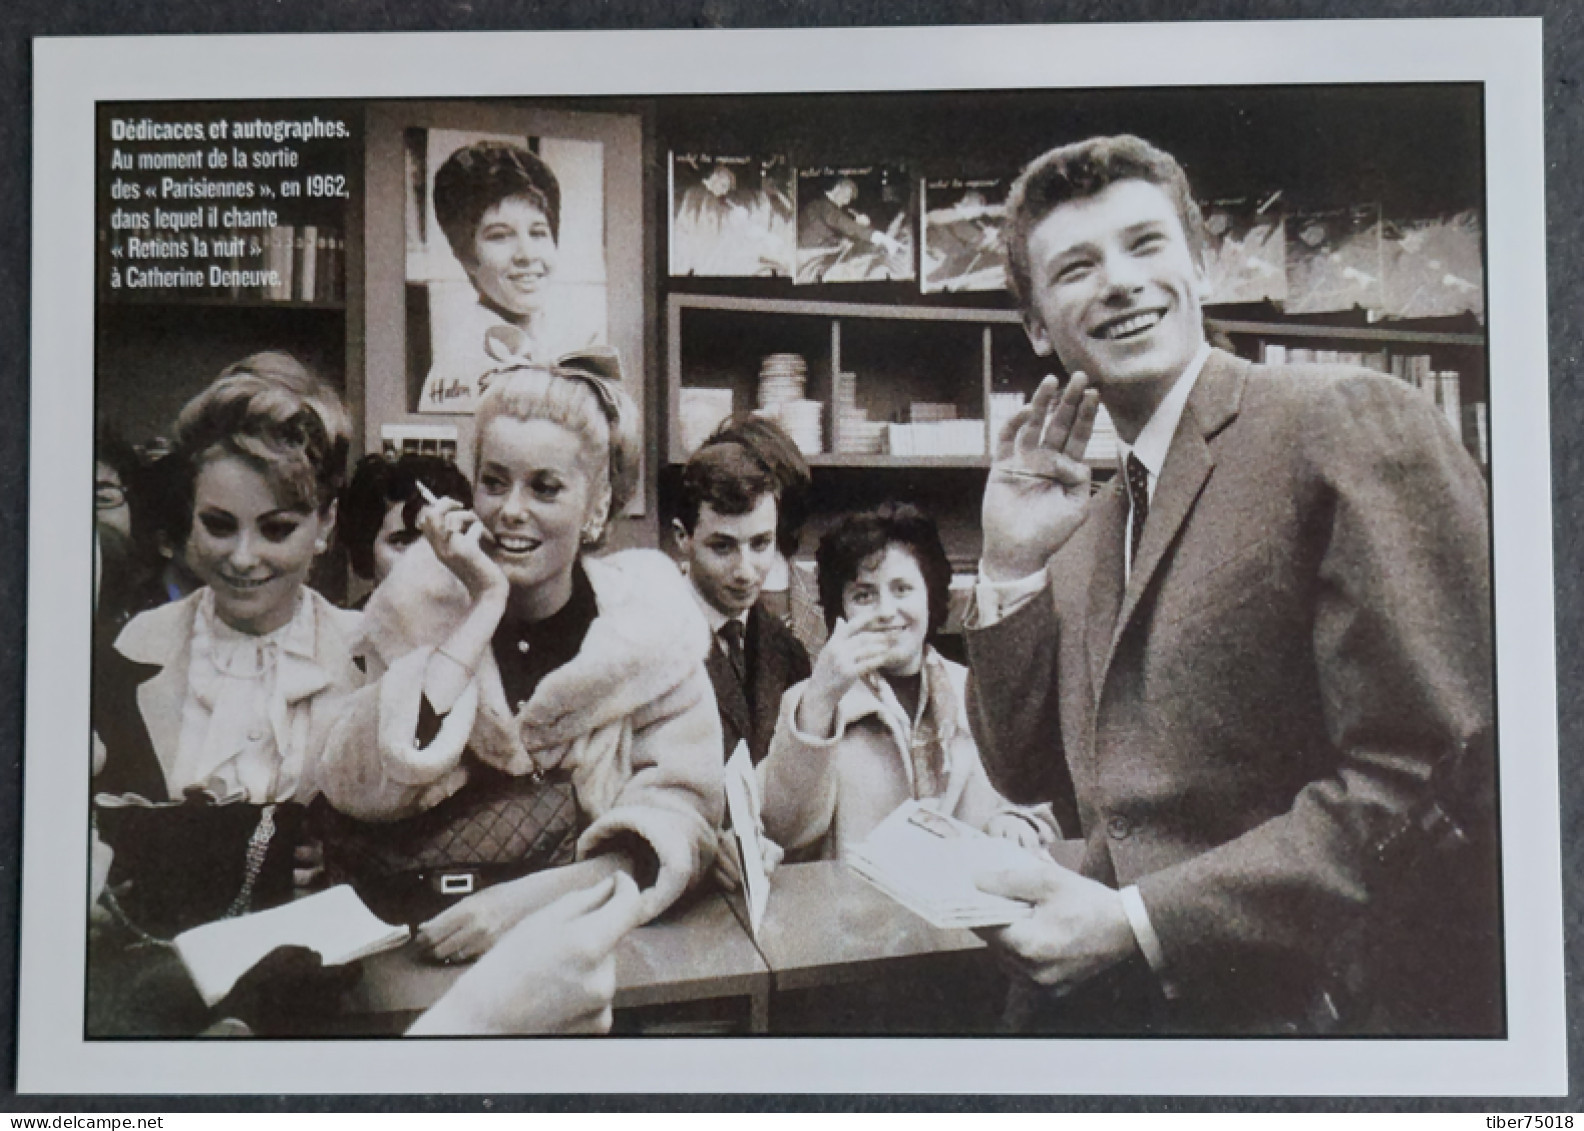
point(994, 601)
point(1148, 941)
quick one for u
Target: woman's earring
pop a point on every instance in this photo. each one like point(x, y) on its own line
point(592, 531)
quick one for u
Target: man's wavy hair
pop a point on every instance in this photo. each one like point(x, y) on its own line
point(1082, 170)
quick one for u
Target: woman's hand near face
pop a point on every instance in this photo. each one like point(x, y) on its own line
point(555, 972)
point(851, 653)
point(456, 535)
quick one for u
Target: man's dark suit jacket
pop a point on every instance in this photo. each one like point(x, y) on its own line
point(776, 661)
point(1281, 728)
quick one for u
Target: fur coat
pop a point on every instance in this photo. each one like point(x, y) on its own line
point(631, 716)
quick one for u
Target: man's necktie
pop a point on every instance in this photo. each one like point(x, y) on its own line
point(1137, 476)
point(732, 634)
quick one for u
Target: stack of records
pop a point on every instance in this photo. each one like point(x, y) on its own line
point(931, 412)
point(782, 377)
point(852, 432)
point(1104, 445)
point(1003, 406)
point(803, 420)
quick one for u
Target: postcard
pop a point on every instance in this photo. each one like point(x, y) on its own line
point(390, 370)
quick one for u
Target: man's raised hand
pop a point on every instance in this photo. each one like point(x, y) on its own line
point(1038, 488)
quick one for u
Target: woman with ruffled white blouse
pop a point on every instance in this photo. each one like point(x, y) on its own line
point(211, 709)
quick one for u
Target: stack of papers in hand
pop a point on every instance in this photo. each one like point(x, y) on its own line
point(927, 861)
point(335, 923)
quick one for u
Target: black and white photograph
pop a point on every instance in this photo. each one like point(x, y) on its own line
point(505, 255)
point(1246, 259)
point(854, 225)
point(532, 592)
point(1335, 260)
point(960, 242)
point(732, 216)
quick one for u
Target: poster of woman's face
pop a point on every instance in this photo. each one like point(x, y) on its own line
point(505, 256)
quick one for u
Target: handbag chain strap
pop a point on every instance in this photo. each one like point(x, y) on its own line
point(108, 900)
point(257, 849)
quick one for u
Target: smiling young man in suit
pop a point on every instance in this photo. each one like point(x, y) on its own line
point(1253, 672)
point(726, 531)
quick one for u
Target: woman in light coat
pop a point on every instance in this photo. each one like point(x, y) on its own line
point(498, 647)
point(882, 719)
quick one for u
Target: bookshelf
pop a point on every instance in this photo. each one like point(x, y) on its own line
point(965, 357)
point(899, 355)
point(1443, 358)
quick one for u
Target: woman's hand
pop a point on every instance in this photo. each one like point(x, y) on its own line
point(307, 865)
point(467, 930)
point(555, 972)
point(456, 535)
point(1038, 490)
point(728, 864)
point(1009, 826)
point(851, 653)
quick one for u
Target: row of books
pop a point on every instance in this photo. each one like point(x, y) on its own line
point(309, 262)
point(936, 438)
point(1442, 387)
point(1104, 444)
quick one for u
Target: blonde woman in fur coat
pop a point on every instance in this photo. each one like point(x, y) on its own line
point(497, 647)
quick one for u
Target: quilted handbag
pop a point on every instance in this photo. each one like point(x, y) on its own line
point(497, 827)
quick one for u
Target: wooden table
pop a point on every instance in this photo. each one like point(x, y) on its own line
point(695, 954)
point(825, 925)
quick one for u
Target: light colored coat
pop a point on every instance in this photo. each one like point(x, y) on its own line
point(631, 716)
point(833, 791)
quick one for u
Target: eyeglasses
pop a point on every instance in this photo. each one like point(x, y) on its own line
point(108, 496)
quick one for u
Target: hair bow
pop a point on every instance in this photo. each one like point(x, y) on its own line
point(597, 367)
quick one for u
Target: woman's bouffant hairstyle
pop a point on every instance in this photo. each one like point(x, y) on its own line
point(380, 482)
point(1082, 170)
point(477, 177)
point(596, 410)
point(857, 539)
point(272, 412)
